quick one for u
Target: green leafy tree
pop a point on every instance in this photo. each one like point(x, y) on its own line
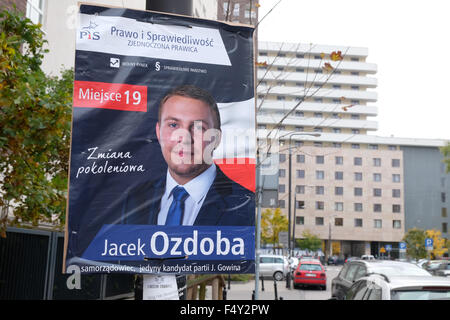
point(272, 223)
point(35, 117)
point(415, 243)
point(309, 241)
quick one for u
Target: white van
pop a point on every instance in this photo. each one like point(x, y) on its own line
point(275, 266)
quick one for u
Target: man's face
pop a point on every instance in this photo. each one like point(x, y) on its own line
point(184, 133)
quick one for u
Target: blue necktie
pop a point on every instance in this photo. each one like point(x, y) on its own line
point(176, 210)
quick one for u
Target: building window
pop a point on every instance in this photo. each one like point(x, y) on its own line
point(358, 192)
point(318, 115)
point(373, 146)
point(338, 222)
point(35, 9)
point(298, 143)
point(336, 130)
point(358, 176)
point(443, 197)
point(301, 174)
point(281, 203)
point(299, 114)
point(355, 146)
point(339, 191)
point(282, 173)
point(300, 189)
point(317, 144)
point(444, 212)
point(395, 178)
point(377, 207)
point(318, 129)
point(377, 224)
point(396, 193)
point(280, 98)
point(320, 190)
point(300, 158)
point(320, 175)
point(358, 223)
point(397, 224)
point(236, 10)
point(339, 175)
point(300, 220)
point(377, 162)
point(299, 129)
point(320, 159)
point(392, 148)
point(396, 162)
point(358, 207)
point(355, 131)
point(337, 145)
point(300, 204)
point(282, 157)
point(320, 205)
point(396, 208)
point(444, 227)
point(377, 177)
point(282, 188)
point(319, 221)
point(377, 192)
point(339, 160)
point(355, 117)
point(357, 161)
point(339, 206)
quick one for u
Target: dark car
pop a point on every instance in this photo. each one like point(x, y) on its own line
point(335, 260)
point(357, 269)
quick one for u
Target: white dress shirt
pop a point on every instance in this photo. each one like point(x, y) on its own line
point(197, 189)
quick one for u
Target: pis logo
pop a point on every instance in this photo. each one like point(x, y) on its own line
point(89, 33)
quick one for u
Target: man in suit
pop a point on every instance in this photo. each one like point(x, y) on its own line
point(194, 191)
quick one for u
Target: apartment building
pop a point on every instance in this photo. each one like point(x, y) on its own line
point(340, 181)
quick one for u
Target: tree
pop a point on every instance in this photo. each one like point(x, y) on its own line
point(35, 119)
point(309, 241)
point(439, 243)
point(415, 243)
point(272, 223)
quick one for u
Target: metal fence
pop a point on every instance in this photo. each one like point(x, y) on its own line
point(31, 268)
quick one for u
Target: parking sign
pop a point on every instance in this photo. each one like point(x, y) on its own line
point(429, 243)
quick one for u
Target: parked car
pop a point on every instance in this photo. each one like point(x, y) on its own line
point(433, 266)
point(367, 257)
point(310, 273)
point(382, 287)
point(335, 260)
point(275, 266)
point(354, 270)
point(351, 259)
point(443, 269)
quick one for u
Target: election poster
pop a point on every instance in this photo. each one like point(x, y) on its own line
point(162, 166)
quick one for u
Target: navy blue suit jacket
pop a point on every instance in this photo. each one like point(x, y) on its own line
point(227, 203)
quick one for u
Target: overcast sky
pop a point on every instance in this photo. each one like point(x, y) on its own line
point(408, 40)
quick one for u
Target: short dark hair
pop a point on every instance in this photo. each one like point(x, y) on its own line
point(197, 93)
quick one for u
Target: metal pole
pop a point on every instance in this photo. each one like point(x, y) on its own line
point(295, 217)
point(258, 229)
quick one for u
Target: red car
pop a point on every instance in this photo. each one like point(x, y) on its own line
point(310, 273)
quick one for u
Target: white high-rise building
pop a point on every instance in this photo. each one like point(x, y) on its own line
point(317, 103)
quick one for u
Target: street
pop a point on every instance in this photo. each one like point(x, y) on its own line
point(243, 291)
